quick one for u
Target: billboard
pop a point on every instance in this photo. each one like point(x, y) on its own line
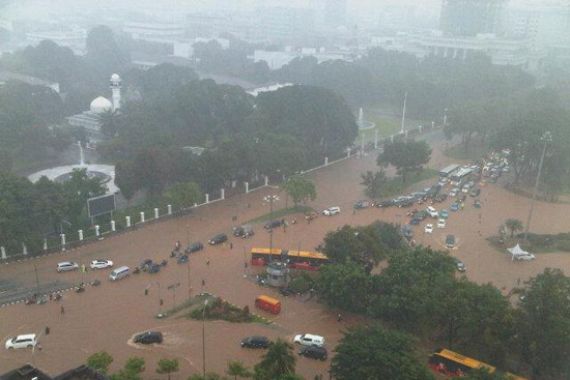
point(103, 204)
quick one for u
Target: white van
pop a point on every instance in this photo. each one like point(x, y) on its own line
point(119, 273)
point(309, 340)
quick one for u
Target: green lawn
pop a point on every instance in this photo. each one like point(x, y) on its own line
point(279, 214)
point(386, 125)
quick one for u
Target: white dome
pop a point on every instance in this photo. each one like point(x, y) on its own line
point(115, 78)
point(101, 105)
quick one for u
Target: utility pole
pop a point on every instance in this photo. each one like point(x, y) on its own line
point(402, 129)
point(546, 138)
point(271, 199)
point(37, 279)
point(204, 339)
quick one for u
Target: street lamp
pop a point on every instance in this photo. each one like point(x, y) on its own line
point(546, 138)
point(271, 199)
point(204, 339)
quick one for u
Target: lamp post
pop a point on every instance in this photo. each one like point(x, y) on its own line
point(204, 339)
point(271, 199)
point(546, 138)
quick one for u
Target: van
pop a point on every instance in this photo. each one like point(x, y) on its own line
point(309, 340)
point(268, 304)
point(119, 273)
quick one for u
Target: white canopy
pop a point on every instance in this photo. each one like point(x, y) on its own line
point(518, 252)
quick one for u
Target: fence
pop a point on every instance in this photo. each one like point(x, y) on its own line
point(151, 215)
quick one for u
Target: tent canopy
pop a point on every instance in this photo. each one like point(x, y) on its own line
point(517, 251)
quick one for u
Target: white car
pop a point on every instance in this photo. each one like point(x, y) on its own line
point(21, 341)
point(66, 266)
point(101, 264)
point(454, 192)
point(528, 257)
point(432, 212)
point(331, 211)
point(309, 340)
point(428, 229)
point(441, 223)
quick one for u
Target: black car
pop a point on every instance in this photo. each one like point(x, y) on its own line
point(149, 337)
point(361, 204)
point(145, 264)
point(255, 342)
point(450, 241)
point(272, 224)
point(194, 247)
point(475, 192)
point(386, 203)
point(153, 268)
point(415, 221)
point(182, 259)
point(314, 352)
point(218, 239)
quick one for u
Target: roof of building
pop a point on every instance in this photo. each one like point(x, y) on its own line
point(101, 105)
point(26, 372)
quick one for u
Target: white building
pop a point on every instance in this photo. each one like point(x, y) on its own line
point(155, 32)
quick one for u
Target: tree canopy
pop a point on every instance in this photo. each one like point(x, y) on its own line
point(405, 156)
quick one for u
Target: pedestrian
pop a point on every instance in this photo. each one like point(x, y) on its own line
point(245, 265)
point(62, 310)
point(51, 296)
point(339, 317)
point(208, 263)
point(47, 330)
point(203, 282)
point(231, 245)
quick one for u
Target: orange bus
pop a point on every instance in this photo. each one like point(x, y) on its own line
point(306, 260)
point(452, 364)
point(269, 304)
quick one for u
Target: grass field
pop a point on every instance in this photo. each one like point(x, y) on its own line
point(385, 125)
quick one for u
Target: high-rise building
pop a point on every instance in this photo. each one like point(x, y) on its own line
point(471, 17)
point(335, 13)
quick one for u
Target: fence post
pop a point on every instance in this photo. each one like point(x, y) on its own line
point(113, 227)
point(169, 207)
point(62, 242)
point(155, 213)
point(45, 244)
point(24, 249)
point(326, 161)
point(128, 221)
point(207, 198)
point(142, 216)
point(223, 193)
point(80, 233)
point(97, 230)
point(3, 250)
point(375, 139)
point(347, 152)
point(246, 184)
point(266, 180)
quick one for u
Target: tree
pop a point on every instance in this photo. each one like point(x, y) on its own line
point(543, 324)
point(184, 194)
point(406, 156)
point(375, 353)
point(300, 189)
point(345, 286)
point(277, 361)
point(513, 225)
point(374, 183)
point(132, 369)
point(238, 369)
point(100, 361)
point(167, 366)
point(209, 376)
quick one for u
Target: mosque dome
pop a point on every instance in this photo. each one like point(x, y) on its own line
point(101, 105)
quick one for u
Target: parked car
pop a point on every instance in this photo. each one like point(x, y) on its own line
point(255, 342)
point(153, 268)
point(66, 266)
point(441, 223)
point(272, 224)
point(443, 214)
point(454, 206)
point(454, 192)
point(194, 247)
point(475, 192)
point(361, 204)
point(440, 197)
point(244, 231)
point(145, 264)
point(21, 341)
point(415, 221)
point(148, 337)
point(528, 257)
point(218, 239)
point(183, 259)
point(459, 265)
point(309, 340)
point(314, 352)
point(331, 211)
point(385, 203)
point(432, 212)
point(450, 241)
point(428, 229)
point(101, 264)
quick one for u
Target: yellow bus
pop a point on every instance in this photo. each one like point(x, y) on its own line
point(452, 364)
point(295, 259)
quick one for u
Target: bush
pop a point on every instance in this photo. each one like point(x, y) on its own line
point(563, 245)
point(301, 284)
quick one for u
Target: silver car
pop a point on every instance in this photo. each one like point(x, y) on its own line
point(67, 266)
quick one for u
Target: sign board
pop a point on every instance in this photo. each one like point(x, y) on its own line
point(103, 204)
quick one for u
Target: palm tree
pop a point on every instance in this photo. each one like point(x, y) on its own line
point(278, 360)
point(237, 369)
point(514, 225)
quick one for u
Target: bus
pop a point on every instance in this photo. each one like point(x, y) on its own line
point(460, 175)
point(269, 304)
point(295, 259)
point(447, 171)
point(452, 364)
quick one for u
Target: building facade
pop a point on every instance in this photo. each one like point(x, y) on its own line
point(468, 18)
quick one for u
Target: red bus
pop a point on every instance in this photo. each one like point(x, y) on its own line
point(269, 304)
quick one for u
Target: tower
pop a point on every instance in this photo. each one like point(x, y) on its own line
point(116, 90)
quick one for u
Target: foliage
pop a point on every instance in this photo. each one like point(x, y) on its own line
point(131, 371)
point(279, 360)
point(100, 361)
point(514, 225)
point(405, 156)
point(374, 183)
point(223, 310)
point(376, 353)
point(167, 366)
point(300, 189)
point(345, 286)
point(543, 321)
point(183, 194)
point(209, 376)
point(237, 369)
